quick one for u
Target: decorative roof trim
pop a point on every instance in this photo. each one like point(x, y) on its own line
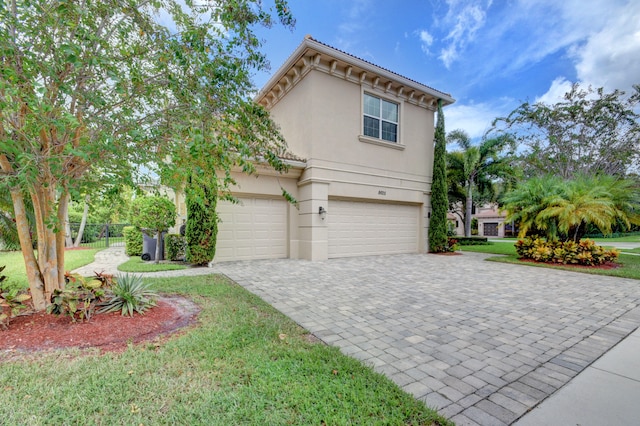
point(366, 69)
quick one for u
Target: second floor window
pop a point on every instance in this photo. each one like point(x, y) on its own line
point(380, 118)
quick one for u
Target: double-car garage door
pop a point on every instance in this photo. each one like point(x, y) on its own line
point(256, 228)
point(359, 228)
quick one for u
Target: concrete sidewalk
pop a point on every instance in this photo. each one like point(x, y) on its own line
point(605, 393)
point(486, 343)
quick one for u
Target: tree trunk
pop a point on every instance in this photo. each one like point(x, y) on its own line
point(158, 242)
point(36, 282)
point(468, 210)
point(68, 239)
point(83, 223)
point(50, 256)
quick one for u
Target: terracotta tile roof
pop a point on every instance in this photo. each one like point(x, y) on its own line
point(309, 37)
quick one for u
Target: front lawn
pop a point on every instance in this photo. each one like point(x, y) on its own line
point(245, 363)
point(15, 270)
point(136, 264)
point(630, 264)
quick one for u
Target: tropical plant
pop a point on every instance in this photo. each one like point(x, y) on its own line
point(565, 210)
point(439, 200)
point(129, 294)
point(114, 85)
point(474, 169)
point(79, 297)
point(590, 132)
point(586, 252)
point(12, 300)
point(154, 214)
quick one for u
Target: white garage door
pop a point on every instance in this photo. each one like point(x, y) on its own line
point(360, 229)
point(254, 229)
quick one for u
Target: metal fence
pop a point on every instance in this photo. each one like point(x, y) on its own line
point(99, 235)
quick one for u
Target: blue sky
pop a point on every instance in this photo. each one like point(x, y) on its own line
point(489, 55)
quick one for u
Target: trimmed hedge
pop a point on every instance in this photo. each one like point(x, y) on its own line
point(132, 241)
point(175, 245)
point(585, 252)
point(472, 241)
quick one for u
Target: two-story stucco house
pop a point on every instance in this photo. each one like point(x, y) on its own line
point(364, 136)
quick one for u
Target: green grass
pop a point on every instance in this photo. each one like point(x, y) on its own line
point(15, 270)
point(245, 363)
point(506, 247)
point(630, 264)
point(626, 239)
point(635, 250)
point(136, 264)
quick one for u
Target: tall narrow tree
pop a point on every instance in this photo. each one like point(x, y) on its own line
point(439, 199)
point(201, 232)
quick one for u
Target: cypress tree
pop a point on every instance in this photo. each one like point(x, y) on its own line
point(201, 232)
point(439, 200)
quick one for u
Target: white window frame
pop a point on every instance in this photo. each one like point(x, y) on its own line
point(378, 140)
point(380, 118)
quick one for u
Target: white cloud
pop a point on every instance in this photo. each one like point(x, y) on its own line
point(426, 40)
point(556, 92)
point(354, 22)
point(611, 57)
point(475, 119)
point(465, 20)
point(606, 51)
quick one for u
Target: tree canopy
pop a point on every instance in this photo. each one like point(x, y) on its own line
point(118, 84)
point(589, 132)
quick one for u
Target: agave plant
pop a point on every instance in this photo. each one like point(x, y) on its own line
point(129, 294)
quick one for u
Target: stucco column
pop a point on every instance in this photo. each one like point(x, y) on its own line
point(313, 230)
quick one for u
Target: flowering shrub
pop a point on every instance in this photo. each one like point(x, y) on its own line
point(586, 252)
point(449, 247)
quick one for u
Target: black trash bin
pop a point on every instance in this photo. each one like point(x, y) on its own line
point(149, 247)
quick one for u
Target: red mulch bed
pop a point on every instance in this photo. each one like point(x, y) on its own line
point(604, 266)
point(109, 332)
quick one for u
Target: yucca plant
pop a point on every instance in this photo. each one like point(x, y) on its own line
point(129, 294)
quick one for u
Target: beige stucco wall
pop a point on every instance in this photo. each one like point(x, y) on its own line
point(321, 120)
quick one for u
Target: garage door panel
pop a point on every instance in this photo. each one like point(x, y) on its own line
point(255, 228)
point(360, 228)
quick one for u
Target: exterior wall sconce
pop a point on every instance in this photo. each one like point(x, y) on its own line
point(322, 212)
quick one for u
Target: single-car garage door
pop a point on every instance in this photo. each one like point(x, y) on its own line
point(490, 229)
point(256, 228)
point(359, 228)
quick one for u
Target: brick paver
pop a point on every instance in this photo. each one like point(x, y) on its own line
point(483, 342)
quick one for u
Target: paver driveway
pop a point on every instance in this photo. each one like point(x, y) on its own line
point(481, 341)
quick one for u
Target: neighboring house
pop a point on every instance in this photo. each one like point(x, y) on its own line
point(456, 224)
point(490, 221)
point(364, 137)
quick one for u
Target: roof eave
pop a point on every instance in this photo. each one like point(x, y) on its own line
point(310, 43)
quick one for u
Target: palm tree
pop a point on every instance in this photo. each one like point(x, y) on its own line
point(601, 200)
point(477, 166)
point(528, 199)
point(564, 209)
